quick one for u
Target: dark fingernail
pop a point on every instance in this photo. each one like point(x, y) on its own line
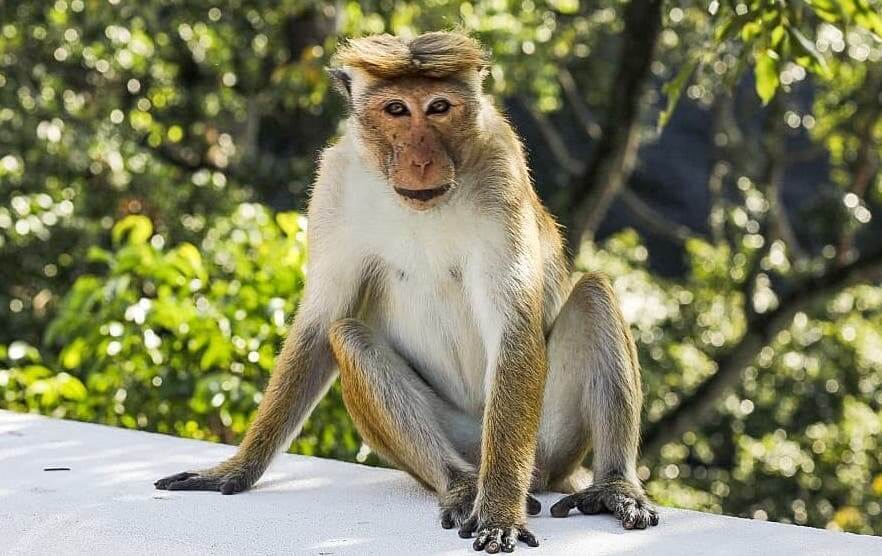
point(533, 506)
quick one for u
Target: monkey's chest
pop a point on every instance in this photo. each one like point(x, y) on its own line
point(425, 315)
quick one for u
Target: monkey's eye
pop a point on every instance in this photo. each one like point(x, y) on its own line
point(396, 108)
point(439, 106)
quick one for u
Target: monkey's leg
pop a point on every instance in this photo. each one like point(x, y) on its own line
point(404, 421)
point(593, 390)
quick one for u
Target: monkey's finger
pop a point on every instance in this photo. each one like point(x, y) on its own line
point(509, 540)
point(527, 537)
point(196, 483)
point(563, 506)
point(590, 505)
point(647, 516)
point(533, 505)
point(468, 527)
point(232, 486)
point(628, 512)
point(489, 540)
point(482, 539)
point(638, 519)
point(163, 483)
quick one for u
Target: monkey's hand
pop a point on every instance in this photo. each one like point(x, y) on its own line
point(459, 500)
point(494, 535)
point(614, 495)
point(229, 477)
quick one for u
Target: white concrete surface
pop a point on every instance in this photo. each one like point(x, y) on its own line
point(106, 504)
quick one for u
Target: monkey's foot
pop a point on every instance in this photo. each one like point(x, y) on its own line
point(616, 496)
point(225, 483)
point(493, 539)
point(459, 501)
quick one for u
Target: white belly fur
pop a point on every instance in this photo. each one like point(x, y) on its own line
point(426, 314)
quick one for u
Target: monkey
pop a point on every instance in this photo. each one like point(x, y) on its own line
point(439, 290)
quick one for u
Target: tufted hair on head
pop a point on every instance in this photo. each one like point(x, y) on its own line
point(437, 54)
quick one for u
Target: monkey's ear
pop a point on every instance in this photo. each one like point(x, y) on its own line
point(342, 81)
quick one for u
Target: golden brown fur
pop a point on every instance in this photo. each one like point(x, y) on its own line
point(438, 287)
point(434, 55)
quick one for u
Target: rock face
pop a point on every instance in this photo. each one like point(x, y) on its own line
point(75, 488)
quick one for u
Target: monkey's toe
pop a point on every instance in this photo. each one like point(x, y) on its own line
point(163, 483)
point(234, 485)
point(453, 516)
point(533, 506)
point(618, 497)
point(502, 539)
point(562, 507)
point(212, 480)
point(197, 482)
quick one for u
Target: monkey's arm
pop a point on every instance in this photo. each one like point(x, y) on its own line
point(303, 373)
point(304, 369)
point(516, 379)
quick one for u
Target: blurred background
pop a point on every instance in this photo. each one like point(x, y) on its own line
point(720, 160)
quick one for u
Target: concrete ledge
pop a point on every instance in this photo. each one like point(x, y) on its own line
point(106, 504)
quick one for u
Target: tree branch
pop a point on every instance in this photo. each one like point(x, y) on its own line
point(694, 410)
point(724, 123)
point(595, 189)
point(583, 114)
point(552, 138)
point(653, 220)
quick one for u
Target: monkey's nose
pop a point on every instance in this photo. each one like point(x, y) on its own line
point(422, 165)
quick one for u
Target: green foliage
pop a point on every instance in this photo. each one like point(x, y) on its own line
point(775, 38)
point(178, 340)
point(144, 283)
point(797, 440)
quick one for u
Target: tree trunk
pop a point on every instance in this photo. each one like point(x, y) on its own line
point(595, 189)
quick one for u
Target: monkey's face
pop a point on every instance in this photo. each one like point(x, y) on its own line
point(414, 127)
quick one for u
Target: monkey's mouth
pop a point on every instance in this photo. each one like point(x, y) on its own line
point(422, 194)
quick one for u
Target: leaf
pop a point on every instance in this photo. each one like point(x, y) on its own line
point(71, 388)
point(808, 47)
point(674, 88)
point(98, 255)
point(188, 260)
point(72, 355)
point(137, 227)
point(766, 74)
point(750, 31)
point(777, 35)
point(216, 353)
point(289, 222)
point(34, 373)
point(871, 21)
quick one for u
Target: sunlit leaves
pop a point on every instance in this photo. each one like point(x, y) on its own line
point(172, 329)
point(674, 88)
point(766, 75)
point(136, 229)
point(775, 34)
